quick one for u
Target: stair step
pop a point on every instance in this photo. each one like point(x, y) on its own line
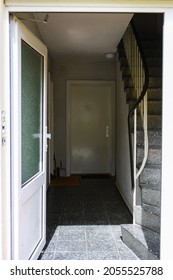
point(144, 243)
point(130, 95)
point(154, 94)
point(154, 108)
point(152, 44)
point(155, 82)
point(155, 71)
point(154, 137)
point(151, 186)
point(151, 175)
point(154, 155)
point(123, 61)
point(154, 61)
point(152, 52)
point(150, 194)
point(125, 71)
point(128, 82)
point(148, 216)
point(154, 122)
point(121, 51)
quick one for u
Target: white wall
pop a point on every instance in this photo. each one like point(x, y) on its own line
point(122, 165)
point(73, 70)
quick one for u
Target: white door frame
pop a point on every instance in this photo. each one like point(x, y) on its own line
point(167, 153)
point(112, 121)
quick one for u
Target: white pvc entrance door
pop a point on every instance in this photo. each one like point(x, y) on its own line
point(28, 138)
point(89, 115)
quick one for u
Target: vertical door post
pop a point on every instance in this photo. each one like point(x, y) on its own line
point(167, 140)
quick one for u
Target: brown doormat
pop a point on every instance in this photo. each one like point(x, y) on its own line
point(71, 181)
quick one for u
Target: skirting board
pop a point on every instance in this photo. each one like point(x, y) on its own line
point(125, 200)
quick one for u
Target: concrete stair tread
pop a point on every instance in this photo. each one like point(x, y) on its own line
point(154, 82)
point(151, 186)
point(154, 107)
point(150, 194)
point(152, 44)
point(151, 174)
point(155, 71)
point(149, 208)
point(154, 137)
point(154, 61)
point(154, 122)
point(146, 243)
point(152, 132)
point(148, 216)
point(154, 94)
point(152, 166)
point(151, 146)
point(154, 154)
point(149, 53)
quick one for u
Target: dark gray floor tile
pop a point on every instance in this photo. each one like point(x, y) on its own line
point(84, 222)
point(72, 222)
point(96, 217)
point(96, 221)
point(72, 216)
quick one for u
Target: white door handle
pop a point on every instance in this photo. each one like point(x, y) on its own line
point(107, 131)
point(48, 136)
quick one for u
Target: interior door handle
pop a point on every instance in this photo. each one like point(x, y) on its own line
point(48, 136)
point(107, 131)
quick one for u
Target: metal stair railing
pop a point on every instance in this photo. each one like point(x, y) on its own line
point(140, 78)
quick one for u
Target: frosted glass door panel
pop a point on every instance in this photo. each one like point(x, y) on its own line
point(32, 65)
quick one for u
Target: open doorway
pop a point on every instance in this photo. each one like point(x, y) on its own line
point(77, 44)
point(103, 70)
point(66, 67)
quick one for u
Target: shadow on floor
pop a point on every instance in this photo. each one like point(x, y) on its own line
point(84, 222)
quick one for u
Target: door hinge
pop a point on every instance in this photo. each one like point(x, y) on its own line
point(3, 128)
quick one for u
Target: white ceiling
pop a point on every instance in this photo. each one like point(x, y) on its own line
point(82, 34)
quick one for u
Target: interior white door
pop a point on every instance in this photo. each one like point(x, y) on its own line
point(90, 126)
point(28, 142)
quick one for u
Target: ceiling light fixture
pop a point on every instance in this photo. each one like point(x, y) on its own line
point(109, 55)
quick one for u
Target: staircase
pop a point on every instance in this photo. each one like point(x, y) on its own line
point(143, 236)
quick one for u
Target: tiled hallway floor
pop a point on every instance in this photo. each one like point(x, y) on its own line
point(83, 223)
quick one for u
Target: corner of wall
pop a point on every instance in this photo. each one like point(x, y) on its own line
point(123, 175)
